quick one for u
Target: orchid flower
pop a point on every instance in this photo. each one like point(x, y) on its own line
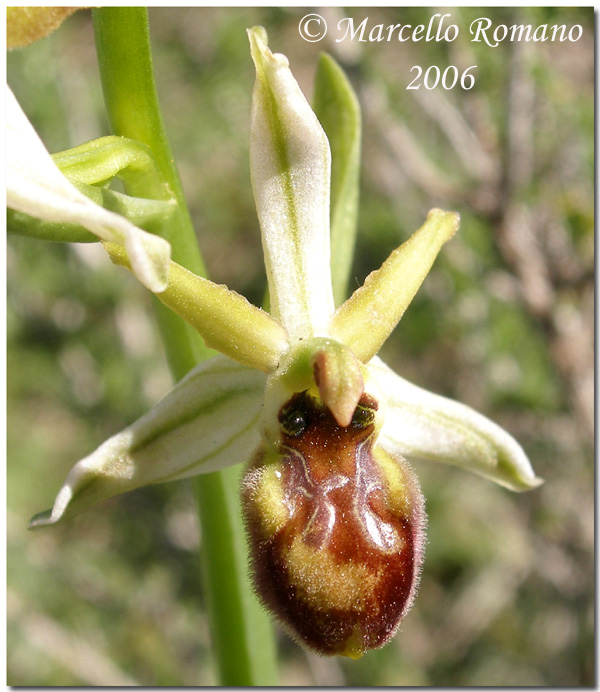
point(334, 512)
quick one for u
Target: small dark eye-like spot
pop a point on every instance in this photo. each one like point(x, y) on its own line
point(293, 419)
point(363, 417)
point(294, 424)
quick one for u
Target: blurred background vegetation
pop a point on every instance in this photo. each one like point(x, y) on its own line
point(504, 323)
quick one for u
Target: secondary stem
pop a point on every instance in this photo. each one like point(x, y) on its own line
point(242, 635)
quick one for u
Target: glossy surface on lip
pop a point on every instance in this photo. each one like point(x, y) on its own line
point(335, 527)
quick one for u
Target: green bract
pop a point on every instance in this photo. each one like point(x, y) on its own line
point(232, 409)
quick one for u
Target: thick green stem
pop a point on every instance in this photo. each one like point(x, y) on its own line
point(248, 631)
point(242, 635)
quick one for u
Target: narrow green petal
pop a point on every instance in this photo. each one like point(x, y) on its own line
point(338, 110)
point(226, 320)
point(207, 422)
point(368, 317)
point(290, 167)
point(421, 425)
point(36, 186)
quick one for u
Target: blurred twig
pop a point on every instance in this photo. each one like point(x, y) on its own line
point(521, 236)
point(83, 660)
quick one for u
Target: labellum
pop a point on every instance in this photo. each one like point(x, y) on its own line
point(336, 528)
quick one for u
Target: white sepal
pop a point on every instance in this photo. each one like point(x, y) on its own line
point(290, 164)
point(421, 425)
point(36, 186)
point(207, 422)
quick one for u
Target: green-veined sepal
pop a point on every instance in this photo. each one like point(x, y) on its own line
point(207, 422)
point(421, 425)
point(290, 165)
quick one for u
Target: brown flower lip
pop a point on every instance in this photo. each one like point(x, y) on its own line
point(335, 527)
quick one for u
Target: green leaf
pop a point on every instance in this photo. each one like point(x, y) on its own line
point(338, 110)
